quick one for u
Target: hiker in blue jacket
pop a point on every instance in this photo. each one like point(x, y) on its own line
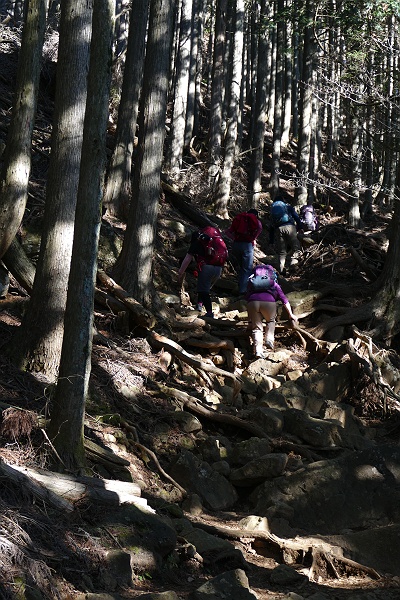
point(244, 230)
point(285, 224)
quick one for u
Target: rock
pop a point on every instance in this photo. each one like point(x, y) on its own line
point(232, 584)
point(204, 542)
point(4, 282)
point(222, 467)
point(254, 523)
point(119, 565)
point(192, 504)
point(332, 381)
point(269, 419)
point(292, 394)
point(312, 430)
point(248, 450)
point(153, 532)
point(214, 448)
point(331, 496)
point(216, 492)
point(256, 471)
point(285, 575)
point(189, 423)
point(160, 596)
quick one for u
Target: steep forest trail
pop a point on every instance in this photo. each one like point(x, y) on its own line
point(188, 387)
point(151, 403)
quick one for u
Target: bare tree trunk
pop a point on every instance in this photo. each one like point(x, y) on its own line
point(177, 138)
point(118, 184)
point(217, 94)
point(196, 37)
point(134, 266)
point(277, 133)
point(68, 408)
point(260, 115)
point(15, 172)
point(355, 171)
point(303, 158)
point(37, 343)
point(288, 81)
point(224, 184)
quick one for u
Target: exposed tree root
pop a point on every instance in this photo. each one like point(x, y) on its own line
point(297, 549)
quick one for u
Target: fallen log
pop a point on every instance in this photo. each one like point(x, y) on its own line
point(63, 491)
point(185, 205)
point(140, 315)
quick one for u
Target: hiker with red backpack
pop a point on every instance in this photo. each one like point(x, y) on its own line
point(244, 230)
point(210, 252)
point(263, 292)
point(284, 224)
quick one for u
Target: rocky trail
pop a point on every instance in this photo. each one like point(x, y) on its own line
point(213, 475)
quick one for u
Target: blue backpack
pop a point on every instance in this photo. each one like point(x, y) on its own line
point(280, 213)
point(262, 278)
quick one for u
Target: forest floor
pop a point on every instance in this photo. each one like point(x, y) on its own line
point(127, 361)
point(65, 554)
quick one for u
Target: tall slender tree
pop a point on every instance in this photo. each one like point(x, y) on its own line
point(118, 186)
point(15, 172)
point(68, 407)
point(37, 344)
point(134, 266)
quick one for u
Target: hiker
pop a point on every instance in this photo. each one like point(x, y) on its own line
point(244, 230)
point(209, 250)
point(285, 223)
point(263, 292)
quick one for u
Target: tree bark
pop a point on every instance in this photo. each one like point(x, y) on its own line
point(16, 167)
point(134, 266)
point(68, 407)
point(37, 343)
point(118, 184)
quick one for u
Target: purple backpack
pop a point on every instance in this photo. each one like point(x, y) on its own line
point(262, 279)
point(308, 218)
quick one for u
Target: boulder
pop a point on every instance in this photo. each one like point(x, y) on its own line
point(256, 471)
point(232, 585)
point(216, 492)
point(356, 491)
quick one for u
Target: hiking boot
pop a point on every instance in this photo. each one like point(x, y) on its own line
point(260, 354)
point(269, 345)
point(210, 315)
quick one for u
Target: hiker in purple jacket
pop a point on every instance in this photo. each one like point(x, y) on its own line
point(262, 305)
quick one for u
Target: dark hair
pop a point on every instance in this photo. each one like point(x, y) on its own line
point(253, 211)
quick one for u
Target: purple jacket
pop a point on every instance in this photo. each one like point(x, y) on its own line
point(272, 295)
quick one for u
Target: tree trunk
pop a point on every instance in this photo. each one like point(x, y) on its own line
point(215, 134)
point(68, 408)
point(260, 110)
point(224, 184)
point(118, 185)
point(37, 343)
point(277, 133)
point(134, 266)
point(16, 167)
point(177, 139)
point(303, 158)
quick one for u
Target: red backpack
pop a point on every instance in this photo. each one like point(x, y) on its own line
point(245, 227)
point(215, 250)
